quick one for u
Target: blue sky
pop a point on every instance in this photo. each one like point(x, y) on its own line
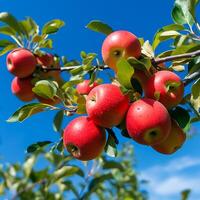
point(168, 175)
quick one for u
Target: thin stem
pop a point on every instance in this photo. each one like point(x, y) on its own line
point(175, 57)
point(155, 62)
point(190, 78)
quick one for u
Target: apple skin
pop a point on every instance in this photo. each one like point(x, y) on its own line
point(84, 87)
point(53, 102)
point(158, 83)
point(106, 105)
point(83, 135)
point(22, 88)
point(173, 142)
point(45, 60)
point(139, 80)
point(148, 121)
point(21, 62)
point(120, 44)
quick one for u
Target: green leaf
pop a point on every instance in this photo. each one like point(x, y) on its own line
point(124, 73)
point(194, 65)
point(7, 48)
point(66, 171)
point(147, 49)
point(195, 97)
point(113, 165)
point(26, 111)
point(46, 89)
point(165, 33)
point(178, 68)
point(52, 26)
point(29, 27)
point(184, 12)
point(181, 116)
point(98, 180)
point(11, 21)
point(28, 165)
point(111, 148)
point(196, 89)
point(46, 44)
point(34, 147)
point(100, 27)
point(142, 64)
point(57, 122)
point(6, 30)
point(185, 194)
point(4, 43)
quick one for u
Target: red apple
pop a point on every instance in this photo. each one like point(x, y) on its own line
point(45, 59)
point(173, 142)
point(85, 87)
point(52, 102)
point(22, 88)
point(139, 80)
point(148, 121)
point(84, 139)
point(120, 44)
point(21, 62)
point(106, 105)
point(166, 87)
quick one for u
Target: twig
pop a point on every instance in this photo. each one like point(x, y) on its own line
point(175, 57)
point(154, 62)
point(194, 76)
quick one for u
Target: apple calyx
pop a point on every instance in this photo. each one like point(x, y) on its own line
point(73, 150)
point(172, 86)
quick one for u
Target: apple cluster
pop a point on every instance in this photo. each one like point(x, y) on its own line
point(25, 66)
point(147, 119)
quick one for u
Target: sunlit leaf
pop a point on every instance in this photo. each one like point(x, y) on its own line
point(100, 27)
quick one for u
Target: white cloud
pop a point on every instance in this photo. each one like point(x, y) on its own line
point(167, 180)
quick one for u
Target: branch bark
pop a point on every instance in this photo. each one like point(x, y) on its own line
point(155, 62)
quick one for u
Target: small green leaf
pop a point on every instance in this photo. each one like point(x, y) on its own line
point(181, 116)
point(100, 27)
point(124, 72)
point(6, 30)
point(45, 89)
point(66, 171)
point(52, 26)
point(11, 21)
point(29, 27)
point(147, 49)
point(46, 44)
point(166, 33)
point(34, 147)
point(178, 68)
point(28, 165)
point(57, 122)
point(112, 165)
point(7, 49)
point(26, 111)
point(111, 148)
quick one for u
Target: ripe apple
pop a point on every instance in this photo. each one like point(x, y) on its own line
point(21, 62)
point(139, 80)
point(84, 139)
point(85, 87)
point(52, 102)
point(173, 142)
point(148, 121)
point(106, 105)
point(120, 44)
point(166, 87)
point(22, 88)
point(45, 59)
